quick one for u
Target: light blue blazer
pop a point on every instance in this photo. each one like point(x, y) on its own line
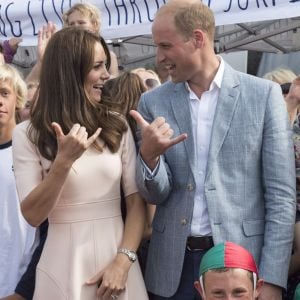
point(249, 185)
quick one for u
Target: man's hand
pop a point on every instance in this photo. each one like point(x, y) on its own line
point(270, 292)
point(156, 138)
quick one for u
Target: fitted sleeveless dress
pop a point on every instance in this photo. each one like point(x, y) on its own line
point(85, 227)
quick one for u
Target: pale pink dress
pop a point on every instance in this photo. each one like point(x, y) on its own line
point(86, 227)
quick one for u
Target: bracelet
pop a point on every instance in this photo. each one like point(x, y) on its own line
point(130, 254)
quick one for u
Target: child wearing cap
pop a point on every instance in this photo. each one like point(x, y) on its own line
point(228, 271)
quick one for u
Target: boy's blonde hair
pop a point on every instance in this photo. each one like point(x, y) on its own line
point(86, 9)
point(281, 76)
point(190, 15)
point(11, 75)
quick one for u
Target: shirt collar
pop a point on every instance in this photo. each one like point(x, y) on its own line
point(216, 82)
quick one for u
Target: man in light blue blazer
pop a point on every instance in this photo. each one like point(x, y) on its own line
point(216, 157)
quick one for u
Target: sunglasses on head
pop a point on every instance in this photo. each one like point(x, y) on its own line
point(151, 83)
point(285, 88)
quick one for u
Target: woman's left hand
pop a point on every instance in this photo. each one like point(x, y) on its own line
point(111, 281)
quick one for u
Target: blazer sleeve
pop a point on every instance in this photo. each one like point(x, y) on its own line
point(278, 176)
point(157, 189)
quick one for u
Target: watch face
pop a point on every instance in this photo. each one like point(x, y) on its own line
point(132, 256)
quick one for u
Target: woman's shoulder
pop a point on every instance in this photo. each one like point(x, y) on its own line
point(22, 128)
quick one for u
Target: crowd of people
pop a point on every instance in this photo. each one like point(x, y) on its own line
point(129, 185)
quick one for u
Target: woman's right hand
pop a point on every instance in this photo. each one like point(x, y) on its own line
point(72, 146)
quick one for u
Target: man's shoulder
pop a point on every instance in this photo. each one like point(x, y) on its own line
point(244, 78)
point(164, 90)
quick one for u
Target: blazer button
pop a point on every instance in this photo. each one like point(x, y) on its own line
point(190, 187)
point(183, 221)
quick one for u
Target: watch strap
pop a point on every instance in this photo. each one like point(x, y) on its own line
point(130, 254)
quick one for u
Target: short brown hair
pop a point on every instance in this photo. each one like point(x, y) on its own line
point(124, 91)
point(190, 15)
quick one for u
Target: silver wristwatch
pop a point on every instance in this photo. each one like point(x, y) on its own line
point(130, 254)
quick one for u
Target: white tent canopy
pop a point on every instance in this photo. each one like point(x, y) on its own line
point(130, 18)
point(264, 25)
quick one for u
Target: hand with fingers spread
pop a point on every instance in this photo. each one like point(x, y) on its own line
point(156, 138)
point(111, 281)
point(72, 145)
point(44, 35)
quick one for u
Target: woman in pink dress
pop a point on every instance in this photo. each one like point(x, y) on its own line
point(69, 161)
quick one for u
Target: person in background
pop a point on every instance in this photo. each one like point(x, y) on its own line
point(297, 293)
point(216, 157)
point(228, 271)
point(10, 48)
point(292, 100)
point(44, 35)
point(281, 76)
point(16, 235)
point(83, 15)
point(125, 91)
point(32, 88)
point(149, 77)
point(2, 61)
point(88, 16)
point(61, 159)
point(162, 72)
point(285, 77)
point(290, 86)
point(24, 288)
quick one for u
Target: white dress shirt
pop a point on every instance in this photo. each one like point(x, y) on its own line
point(202, 114)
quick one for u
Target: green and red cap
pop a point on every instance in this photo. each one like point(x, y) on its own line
point(297, 292)
point(227, 255)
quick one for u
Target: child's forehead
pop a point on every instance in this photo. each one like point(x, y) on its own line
point(6, 82)
point(84, 13)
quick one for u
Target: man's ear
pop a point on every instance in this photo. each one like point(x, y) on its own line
point(198, 287)
point(259, 285)
point(199, 38)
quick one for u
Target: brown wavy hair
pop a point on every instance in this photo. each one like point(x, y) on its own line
point(123, 93)
point(62, 98)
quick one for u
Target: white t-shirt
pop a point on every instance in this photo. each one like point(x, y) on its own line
point(16, 235)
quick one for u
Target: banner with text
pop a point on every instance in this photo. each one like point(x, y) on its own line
point(125, 18)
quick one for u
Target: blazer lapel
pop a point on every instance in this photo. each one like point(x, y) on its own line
point(181, 109)
point(226, 105)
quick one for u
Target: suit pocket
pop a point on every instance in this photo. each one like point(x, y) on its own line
point(253, 227)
